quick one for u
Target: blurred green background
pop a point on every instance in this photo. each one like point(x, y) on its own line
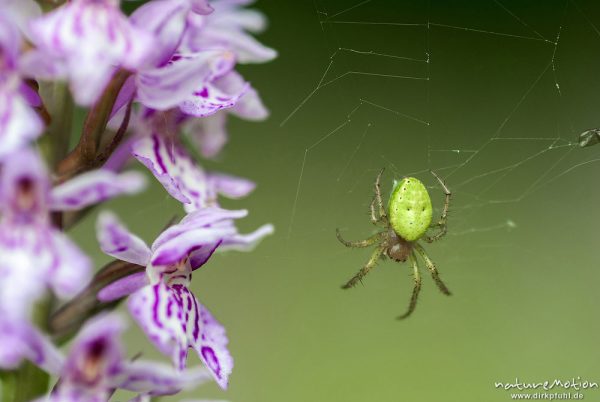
point(521, 256)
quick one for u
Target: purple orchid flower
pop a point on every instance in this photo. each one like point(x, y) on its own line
point(35, 255)
point(96, 365)
point(83, 41)
point(19, 123)
point(194, 80)
point(161, 300)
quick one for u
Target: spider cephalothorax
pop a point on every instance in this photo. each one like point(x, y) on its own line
point(408, 218)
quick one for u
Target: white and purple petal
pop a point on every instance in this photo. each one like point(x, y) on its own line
point(116, 241)
point(184, 75)
point(213, 96)
point(173, 168)
point(123, 287)
point(182, 246)
point(220, 220)
point(94, 187)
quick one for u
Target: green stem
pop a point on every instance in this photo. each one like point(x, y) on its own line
point(84, 155)
point(59, 131)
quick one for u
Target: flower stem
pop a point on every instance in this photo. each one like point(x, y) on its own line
point(83, 156)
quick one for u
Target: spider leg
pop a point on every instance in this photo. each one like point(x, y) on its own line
point(365, 269)
point(442, 223)
point(416, 289)
point(431, 267)
point(378, 214)
point(360, 243)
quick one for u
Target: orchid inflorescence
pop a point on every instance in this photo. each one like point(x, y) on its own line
point(147, 82)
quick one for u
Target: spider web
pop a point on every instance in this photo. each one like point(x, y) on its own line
point(488, 95)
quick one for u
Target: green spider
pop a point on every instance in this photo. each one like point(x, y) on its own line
point(407, 220)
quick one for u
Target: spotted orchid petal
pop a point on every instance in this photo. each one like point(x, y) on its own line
point(214, 96)
point(94, 187)
point(90, 38)
point(181, 78)
point(174, 320)
point(116, 241)
point(182, 177)
point(171, 167)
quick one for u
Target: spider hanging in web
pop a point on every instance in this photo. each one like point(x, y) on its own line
point(407, 220)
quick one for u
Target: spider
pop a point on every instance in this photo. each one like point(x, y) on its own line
point(407, 220)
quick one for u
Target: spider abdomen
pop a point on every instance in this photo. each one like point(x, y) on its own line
point(410, 209)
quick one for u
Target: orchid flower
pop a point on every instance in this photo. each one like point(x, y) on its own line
point(35, 254)
point(96, 366)
point(83, 41)
point(160, 299)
